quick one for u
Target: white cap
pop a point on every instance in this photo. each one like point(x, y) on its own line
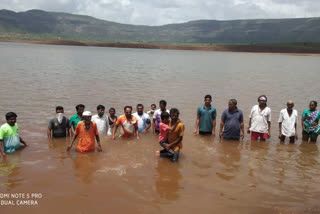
point(86, 113)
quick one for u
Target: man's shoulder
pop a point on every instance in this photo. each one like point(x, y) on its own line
point(73, 117)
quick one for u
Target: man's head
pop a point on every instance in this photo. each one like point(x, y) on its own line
point(140, 109)
point(262, 100)
point(11, 118)
point(232, 105)
point(313, 105)
point(174, 114)
point(207, 100)
point(128, 111)
point(165, 117)
point(112, 111)
point(290, 105)
point(163, 105)
point(80, 109)
point(87, 116)
point(100, 110)
point(59, 109)
point(153, 106)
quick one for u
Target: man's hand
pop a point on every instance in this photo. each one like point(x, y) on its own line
point(138, 137)
point(296, 136)
point(167, 147)
point(242, 135)
point(195, 132)
point(220, 134)
point(68, 148)
point(248, 131)
point(144, 131)
point(213, 133)
point(99, 148)
point(269, 134)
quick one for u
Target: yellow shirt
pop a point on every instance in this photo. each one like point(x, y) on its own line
point(175, 134)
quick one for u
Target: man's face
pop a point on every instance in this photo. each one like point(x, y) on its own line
point(127, 113)
point(231, 105)
point(262, 102)
point(87, 119)
point(111, 112)
point(174, 116)
point(140, 110)
point(101, 112)
point(153, 107)
point(60, 111)
point(207, 101)
point(312, 106)
point(80, 110)
point(162, 107)
point(11, 121)
point(290, 105)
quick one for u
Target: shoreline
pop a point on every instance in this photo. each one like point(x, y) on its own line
point(224, 48)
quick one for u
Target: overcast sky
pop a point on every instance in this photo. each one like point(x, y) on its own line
point(159, 12)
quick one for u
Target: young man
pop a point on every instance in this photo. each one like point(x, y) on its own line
point(144, 122)
point(128, 124)
point(206, 118)
point(101, 120)
point(288, 123)
point(153, 109)
point(9, 135)
point(174, 137)
point(88, 133)
point(232, 122)
point(157, 116)
point(75, 119)
point(59, 126)
point(260, 120)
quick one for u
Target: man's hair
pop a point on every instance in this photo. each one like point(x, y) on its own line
point(140, 105)
point(163, 102)
point(234, 101)
point(174, 111)
point(130, 107)
point(10, 114)
point(153, 105)
point(314, 102)
point(165, 115)
point(79, 106)
point(262, 96)
point(58, 108)
point(101, 107)
point(208, 96)
point(112, 109)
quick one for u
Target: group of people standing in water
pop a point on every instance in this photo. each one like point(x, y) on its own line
point(87, 127)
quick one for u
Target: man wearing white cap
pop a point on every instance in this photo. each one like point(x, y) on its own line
point(260, 120)
point(87, 131)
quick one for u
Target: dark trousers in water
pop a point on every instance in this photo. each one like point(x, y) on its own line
point(166, 154)
point(163, 144)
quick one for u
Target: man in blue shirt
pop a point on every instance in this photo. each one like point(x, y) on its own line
point(231, 125)
point(206, 118)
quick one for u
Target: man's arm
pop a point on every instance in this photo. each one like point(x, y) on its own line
point(242, 130)
point(221, 128)
point(49, 132)
point(280, 129)
point(249, 126)
point(214, 127)
point(197, 125)
point(99, 144)
point(178, 140)
point(302, 123)
point(154, 126)
point(114, 131)
point(1, 148)
point(269, 129)
point(73, 139)
point(296, 133)
point(23, 142)
point(148, 122)
point(137, 132)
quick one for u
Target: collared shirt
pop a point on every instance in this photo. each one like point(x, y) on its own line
point(10, 137)
point(157, 116)
point(74, 120)
point(260, 119)
point(143, 120)
point(288, 122)
point(175, 134)
point(232, 121)
point(127, 126)
point(59, 129)
point(102, 123)
point(206, 118)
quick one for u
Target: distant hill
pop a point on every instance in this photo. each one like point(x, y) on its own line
point(42, 25)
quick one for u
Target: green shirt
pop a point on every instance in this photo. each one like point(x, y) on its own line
point(206, 118)
point(74, 120)
point(10, 137)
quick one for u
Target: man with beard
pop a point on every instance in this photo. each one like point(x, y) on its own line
point(129, 125)
point(59, 126)
point(144, 122)
point(260, 120)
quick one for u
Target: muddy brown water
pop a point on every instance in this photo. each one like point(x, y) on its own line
point(211, 176)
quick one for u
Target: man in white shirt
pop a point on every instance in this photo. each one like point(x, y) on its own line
point(260, 120)
point(288, 123)
point(101, 120)
point(144, 122)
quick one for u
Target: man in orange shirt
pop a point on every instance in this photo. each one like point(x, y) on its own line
point(87, 131)
point(128, 123)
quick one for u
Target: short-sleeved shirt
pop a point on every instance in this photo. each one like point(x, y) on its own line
point(128, 126)
point(74, 120)
point(175, 134)
point(10, 137)
point(59, 129)
point(260, 119)
point(206, 118)
point(310, 118)
point(288, 122)
point(157, 116)
point(86, 138)
point(102, 123)
point(163, 134)
point(143, 120)
point(232, 121)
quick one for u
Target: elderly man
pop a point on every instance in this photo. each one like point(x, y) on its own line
point(288, 123)
point(231, 125)
point(144, 122)
point(87, 132)
point(260, 120)
point(9, 135)
point(59, 126)
point(128, 124)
